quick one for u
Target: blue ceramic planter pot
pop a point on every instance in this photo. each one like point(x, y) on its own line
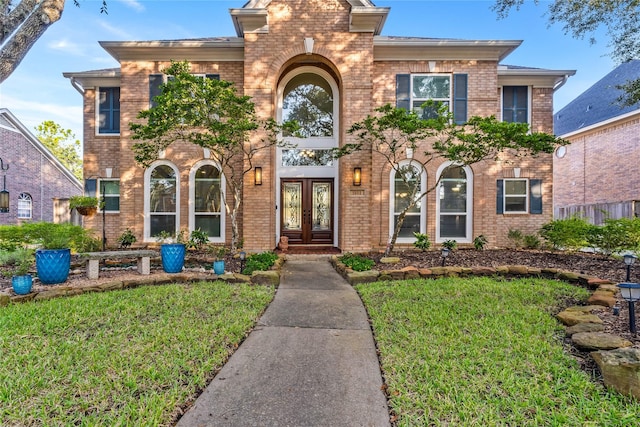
point(22, 284)
point(53, 265)
point(218, 267)
point(172, 257)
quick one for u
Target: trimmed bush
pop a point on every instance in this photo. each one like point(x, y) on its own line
point(357, 262)
point(260, 262)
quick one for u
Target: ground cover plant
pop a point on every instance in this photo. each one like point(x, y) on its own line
point(130, 357)
point(484, 351)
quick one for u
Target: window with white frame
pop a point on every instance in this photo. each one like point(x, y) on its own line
point(516, 195)
point(407, 185)
point(157, 80)
point(208, 206)
point(162, 184)
point(515, 104)
point(109, 110)
point(430, 87)
point(110, 194)
point(25, 206)
point(454, 204)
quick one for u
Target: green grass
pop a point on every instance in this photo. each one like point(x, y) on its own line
point(485, 352)
point(128, 357)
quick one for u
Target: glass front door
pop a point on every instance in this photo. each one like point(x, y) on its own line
point(307, 210)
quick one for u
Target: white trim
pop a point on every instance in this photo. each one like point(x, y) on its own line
point(412, 99)
point(315, 142)
point(469, 213)
point(24, 198)
point(423, 201)
point(147, 214)
point(192, 198)
point(99, 194)
point(526, 196)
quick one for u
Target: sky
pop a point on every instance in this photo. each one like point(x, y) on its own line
point(37, 91)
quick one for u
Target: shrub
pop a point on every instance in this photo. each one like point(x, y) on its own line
point(616, 235)
point(260, 262)
point(198, 239)
point(516, 237)
point(450, 244)
point(531, 241)
point(422, 241)
point(570, 234)
point(127, 238)
point(480, 242)
point(17, 262)
point(356, 262)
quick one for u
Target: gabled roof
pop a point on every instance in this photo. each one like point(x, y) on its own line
point(598, 103)
point(8, 120)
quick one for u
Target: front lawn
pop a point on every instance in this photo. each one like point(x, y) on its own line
point(129, 357)
point(485, 352)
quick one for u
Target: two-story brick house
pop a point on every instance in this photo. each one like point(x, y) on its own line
point(334, 49)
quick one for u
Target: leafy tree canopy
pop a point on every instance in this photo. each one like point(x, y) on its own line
point(62, 143)
point(581, 18)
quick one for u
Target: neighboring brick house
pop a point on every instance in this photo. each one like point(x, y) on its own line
point(39, 185)
point(335, 48)
point(598, 175)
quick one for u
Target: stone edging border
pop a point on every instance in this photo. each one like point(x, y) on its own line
point(617, 361)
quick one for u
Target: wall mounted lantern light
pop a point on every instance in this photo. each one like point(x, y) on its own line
point(258, 175)
point(357, 177)
point(4, 194)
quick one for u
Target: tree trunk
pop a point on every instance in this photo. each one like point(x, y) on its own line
point(22, 28)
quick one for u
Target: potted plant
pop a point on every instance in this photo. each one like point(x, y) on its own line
point(85, 205)
point(172, 251)
point(53, 259)
point(16, 264)
point(218, 264)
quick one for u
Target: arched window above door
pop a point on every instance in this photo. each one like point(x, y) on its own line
point(308, 100)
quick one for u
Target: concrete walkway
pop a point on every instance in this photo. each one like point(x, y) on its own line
point(311, 360)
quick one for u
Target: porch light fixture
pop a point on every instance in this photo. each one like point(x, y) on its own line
point(357, 177)
point(630, 293)
point(445, 253)
point(308, 45)
point(258, 175)
point(629, 260)
point(4, 194)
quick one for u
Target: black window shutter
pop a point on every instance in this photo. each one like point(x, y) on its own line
point(403, 86)
point(460, 98)
point(500, 196)
point(212, 76)
point(155, 80)
point(535, 196)
point(90, 187)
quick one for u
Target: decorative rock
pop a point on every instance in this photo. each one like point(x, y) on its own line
point(110, 286)
point(270, 278)
point(604, 299)
point(609, 288)
point(503, 269)
point(395, 274)
point(22, 298)
point(571, 318)
point(534, 271)
point(54, 293)
point(599, 341)
point(521, 270)
point(550, 271)
point(438, 271)
point(4, 299)
point(594, 283)
point(584, 308)
point(620, 369)
point(425, 272)
point(363, 277)
point(389, 260)
point(568, 276)
point(483, 271)
point(584, 327)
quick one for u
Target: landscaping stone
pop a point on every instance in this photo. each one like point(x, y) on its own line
point(609, 288)
point(54, 293)
point(521, 270)
point(363, 277)
point(395, 274)
point(584, 327)
point(483, 271)
point(390, 260)
point(5, 299)
point(425, 272)
point(568, 276)
point(599, 341)
point(594, 283)
point(605, 299)
point(503, 269)
point(411, 273)
point(23, 298)
point(584, 308)
point(269, 278)
point(110, 286)
point(571, 318)
point(620, 369)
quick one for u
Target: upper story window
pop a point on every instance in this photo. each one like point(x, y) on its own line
point(109, 110)
point(308, 99)
point(515, 104)
point(110, 191)
point(413, 90)
point(25, 206)
point(156, 81)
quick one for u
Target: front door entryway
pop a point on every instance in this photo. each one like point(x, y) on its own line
point(307, 210)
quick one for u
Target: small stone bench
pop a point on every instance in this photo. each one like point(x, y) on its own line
point(93, 260)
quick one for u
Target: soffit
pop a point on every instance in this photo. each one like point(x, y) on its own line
point(536, 77)
point(96, 78)
point(411, 49)
point(215, 49)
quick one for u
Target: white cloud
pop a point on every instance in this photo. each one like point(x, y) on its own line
point(67, 47)
point(134, 4)
point(32, 113)
point(118, 32)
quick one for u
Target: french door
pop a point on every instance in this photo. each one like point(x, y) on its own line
point(307, 210)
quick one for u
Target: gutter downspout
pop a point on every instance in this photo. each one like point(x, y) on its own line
point(77, 86)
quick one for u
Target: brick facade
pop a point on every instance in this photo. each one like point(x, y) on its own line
point(364, 73)
point(33, 170)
